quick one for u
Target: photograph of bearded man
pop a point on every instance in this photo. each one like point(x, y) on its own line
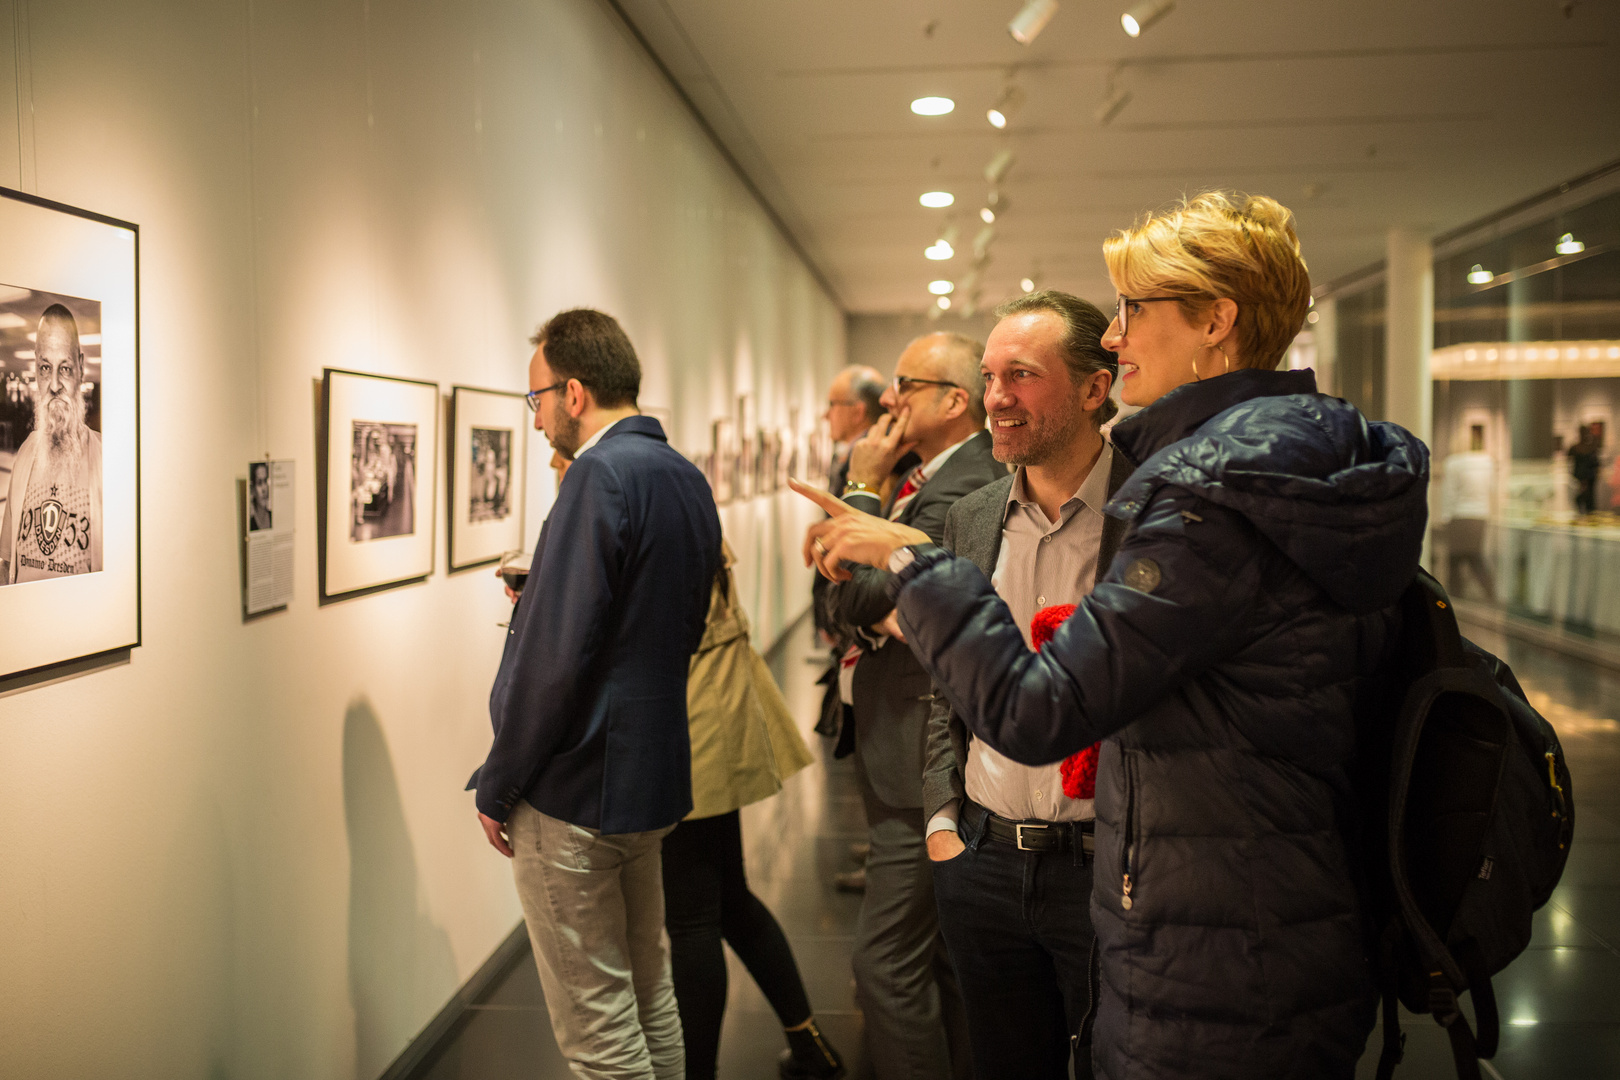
point(51, 526)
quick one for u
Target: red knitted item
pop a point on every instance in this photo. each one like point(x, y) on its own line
point(1079, 770)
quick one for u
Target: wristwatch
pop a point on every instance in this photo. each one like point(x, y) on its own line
point(855, 487)
point(901, 558)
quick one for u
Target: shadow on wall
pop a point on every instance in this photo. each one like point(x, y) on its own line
point(401, 969)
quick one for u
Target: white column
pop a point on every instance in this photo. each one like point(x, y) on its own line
point(1409, 331)
point(1327, 346)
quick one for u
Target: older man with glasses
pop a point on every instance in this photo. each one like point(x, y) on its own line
point(914, 1024)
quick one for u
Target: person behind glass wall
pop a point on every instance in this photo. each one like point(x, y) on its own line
point(1467, 486)
point(1583, 466)
point(744, 743)
point(1268, 529)
point(1014, 904)
point(903, 979)
point(591, 761)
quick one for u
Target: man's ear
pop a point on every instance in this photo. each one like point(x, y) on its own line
point(1098, 386)
point(579, 398)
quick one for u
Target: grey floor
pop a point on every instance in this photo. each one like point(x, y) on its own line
point(1560, 1001)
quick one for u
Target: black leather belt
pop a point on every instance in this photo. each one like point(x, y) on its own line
point(1041, 836)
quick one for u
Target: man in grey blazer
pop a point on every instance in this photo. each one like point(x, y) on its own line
point(1011, 849)
point(902, 975)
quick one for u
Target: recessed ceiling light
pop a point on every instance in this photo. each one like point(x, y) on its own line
point(1313, 317)
point(944, 303)
point(1144, 15)
point(940, 288)
point(1027, 284)
point(1568, 245)
point(939, 251)
point(936, 199)
point(1478, 275)
point(1027, 25)
point(932, 106)
point(987, 215)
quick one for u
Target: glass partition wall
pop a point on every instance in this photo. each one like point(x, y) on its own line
point(1526, 370)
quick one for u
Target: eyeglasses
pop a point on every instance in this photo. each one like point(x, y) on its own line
point(904, 384)
point(841, 403)
point(533, 396)
point(1122, 307)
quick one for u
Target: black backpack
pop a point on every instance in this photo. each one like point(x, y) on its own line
point(1468, 821)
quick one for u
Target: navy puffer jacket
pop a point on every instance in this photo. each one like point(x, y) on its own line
point(1219, 658)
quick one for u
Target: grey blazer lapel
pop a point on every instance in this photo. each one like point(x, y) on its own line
point(981, 539)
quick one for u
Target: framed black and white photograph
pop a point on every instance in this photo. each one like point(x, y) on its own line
point(487, 451)
point(69, 434)
point(378, 441)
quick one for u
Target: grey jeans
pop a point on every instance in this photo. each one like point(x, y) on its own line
point(594, 906)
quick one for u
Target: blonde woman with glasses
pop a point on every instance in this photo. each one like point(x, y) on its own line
point(1268, 527)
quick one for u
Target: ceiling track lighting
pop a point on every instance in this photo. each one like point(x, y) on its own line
point(1027, 25)
point(943, 303)
point(1144, 15)
point(1027, 284)
point(997, 169)
point(987, 215)
point(982, 242)
point(1568, 245)
point(1478, 275)
point(936, 199)
point(1112, 106)
point(941, 288)
point(1006, 107)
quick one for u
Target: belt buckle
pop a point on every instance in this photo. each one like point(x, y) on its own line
point(1018, 834)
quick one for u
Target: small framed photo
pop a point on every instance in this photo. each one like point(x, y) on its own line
point(70, 558)
point(377, 446)
point(486, 454)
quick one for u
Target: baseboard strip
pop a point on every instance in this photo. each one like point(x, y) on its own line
point(415, 1059)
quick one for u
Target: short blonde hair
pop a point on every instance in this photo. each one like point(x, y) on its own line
point(1221, 245)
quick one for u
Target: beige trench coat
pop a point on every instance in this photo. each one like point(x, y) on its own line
point(744, 741)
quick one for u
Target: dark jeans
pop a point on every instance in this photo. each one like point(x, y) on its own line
point(1018, 926)
point(706, 899)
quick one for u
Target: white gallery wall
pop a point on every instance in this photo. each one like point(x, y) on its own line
point(244, 851)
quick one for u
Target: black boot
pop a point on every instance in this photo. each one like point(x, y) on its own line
point(809, 1056)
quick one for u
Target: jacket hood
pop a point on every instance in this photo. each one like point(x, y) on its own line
point(1344, 499)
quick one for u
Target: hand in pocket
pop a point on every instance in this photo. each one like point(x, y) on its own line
point(944, 846)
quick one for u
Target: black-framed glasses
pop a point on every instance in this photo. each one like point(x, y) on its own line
point(904, 384)
point(1123, 303)
point(533, 396)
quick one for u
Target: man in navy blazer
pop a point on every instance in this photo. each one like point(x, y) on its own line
point(591, 763)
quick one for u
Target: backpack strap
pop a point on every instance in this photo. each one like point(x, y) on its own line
point(1443, 1006)
point(1483, 995)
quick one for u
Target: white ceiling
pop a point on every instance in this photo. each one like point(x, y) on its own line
point(1358, 114)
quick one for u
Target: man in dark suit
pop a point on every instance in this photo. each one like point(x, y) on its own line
point(1011, 843)
point(854, 403)
point(902, 975)
point(591, 763)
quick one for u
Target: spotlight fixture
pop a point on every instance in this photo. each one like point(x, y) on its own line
point(982, 242)
point(1478, 275)
point(1028, 23)
point(940, 288)
point(936, 199)
point(1027, 284)
point(1111, 105)
point(1313, 317)
point(998, 166)
point(1144, 15)
point(987, 215)
point(1568, 245)
point(1008, 104)
point(939, 251)
point(932, 106)
point(943, 303)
